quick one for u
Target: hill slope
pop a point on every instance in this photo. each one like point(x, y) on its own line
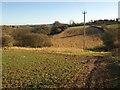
point(73, 38)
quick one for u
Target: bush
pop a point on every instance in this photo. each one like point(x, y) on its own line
point(7, 30)
point(36, 40)
point(58, 27)
point(7, 40)
point(109, 38)
point(93, 31)
point(44, 29)
point(18, 34)
point(57, 24)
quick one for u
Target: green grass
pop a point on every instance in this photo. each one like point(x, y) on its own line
point(86, 53)
point(113, 26)
point(23, 68)
point(109, 26)
point(41, 69)
point(77, 27)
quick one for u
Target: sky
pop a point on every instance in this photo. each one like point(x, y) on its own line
point(22, 13)
point(59, 0)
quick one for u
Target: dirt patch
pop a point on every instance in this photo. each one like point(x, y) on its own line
point(98, 72)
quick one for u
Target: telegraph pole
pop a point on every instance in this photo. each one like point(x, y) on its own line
point(84, 41)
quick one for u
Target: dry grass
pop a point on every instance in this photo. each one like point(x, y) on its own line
point(60, 50)
point(76, 42)
point(70, 40)
point(73, 38)
point(51, 49)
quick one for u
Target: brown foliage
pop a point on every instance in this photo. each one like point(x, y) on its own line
point(7, 40)
point(36, 40)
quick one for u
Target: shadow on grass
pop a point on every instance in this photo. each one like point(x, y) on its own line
point(71, 36)
point(102, 49)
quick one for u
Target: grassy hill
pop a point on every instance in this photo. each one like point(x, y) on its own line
point(73, 38)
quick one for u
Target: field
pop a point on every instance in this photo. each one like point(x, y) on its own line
point(64, 65)
point(113, 26)
point(42, 69)
point(75, 27)
point(38, 69)
point(59, 46)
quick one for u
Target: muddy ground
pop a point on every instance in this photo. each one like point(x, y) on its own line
point(98, 72)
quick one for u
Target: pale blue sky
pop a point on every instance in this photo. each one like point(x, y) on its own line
point(59, 0)
point(48, 12)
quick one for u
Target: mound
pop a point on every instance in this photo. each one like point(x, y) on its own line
point(73, 38)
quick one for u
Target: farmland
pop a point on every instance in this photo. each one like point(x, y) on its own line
point(38, 69)
point(63, 65)
point(45, 69)
point(42, 69)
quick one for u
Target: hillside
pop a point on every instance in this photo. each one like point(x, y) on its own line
point(73, 38)
point(64, 65)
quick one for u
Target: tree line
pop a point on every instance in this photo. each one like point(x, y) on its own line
point(30, 36)
point(95, 22)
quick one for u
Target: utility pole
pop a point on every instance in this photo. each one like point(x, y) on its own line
point(84, 41)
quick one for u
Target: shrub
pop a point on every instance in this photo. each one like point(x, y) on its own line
point(57, 24)
point(18, 34)
point(109, 38)
point(58, 27)
point(7, 40)
point(7, 30)
point(44, 29)
point(93, 31)
point(36, 40)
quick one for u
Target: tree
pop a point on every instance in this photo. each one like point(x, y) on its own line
point(57, 24)
point(36, 40)
point(19, 33)
point(109, 38)
point(44, 29)
point(58, 27)
point(7, 40)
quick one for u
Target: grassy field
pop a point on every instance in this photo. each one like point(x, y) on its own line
point(113, 26)
point(75, 27)
point(43, 69)
point(23, 68)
